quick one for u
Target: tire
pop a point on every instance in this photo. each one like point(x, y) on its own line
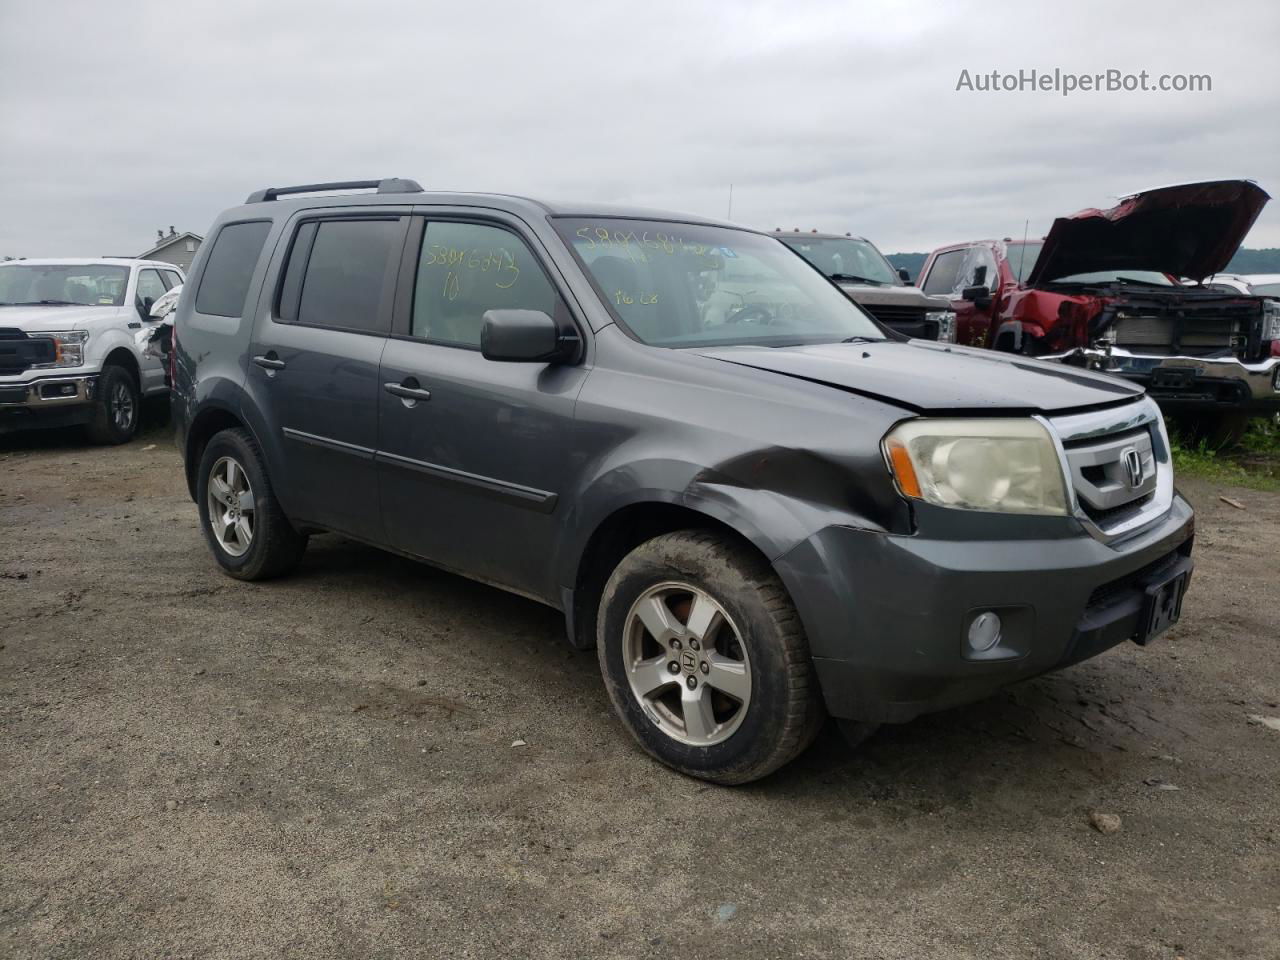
point(1225, 430)
point(755, 646)
point(117, 407)
point(257, 542)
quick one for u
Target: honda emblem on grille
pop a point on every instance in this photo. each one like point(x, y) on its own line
point(1132, 460)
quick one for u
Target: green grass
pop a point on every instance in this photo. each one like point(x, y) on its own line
point(1254, 463)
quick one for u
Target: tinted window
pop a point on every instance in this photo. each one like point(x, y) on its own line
point(942, 275)
point(465, 269)
point(150, 285)
point(224, 285)
point(350, 270)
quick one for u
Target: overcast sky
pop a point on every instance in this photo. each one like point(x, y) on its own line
point(120, 118)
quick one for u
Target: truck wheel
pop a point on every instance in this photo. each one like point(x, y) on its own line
point(1224, 430)
point(705, 660)
point(116, 407)
point(247, 531)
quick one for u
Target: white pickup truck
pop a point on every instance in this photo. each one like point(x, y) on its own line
point(70, 350)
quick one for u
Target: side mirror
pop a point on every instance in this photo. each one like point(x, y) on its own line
point(976, 294)
point(523, 336)
point(904, 276)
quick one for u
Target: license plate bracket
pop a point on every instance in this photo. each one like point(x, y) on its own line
point(1173, 378)
point(1162, 607)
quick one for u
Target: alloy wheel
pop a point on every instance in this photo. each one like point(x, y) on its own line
point(686, 664)
point(231, 509)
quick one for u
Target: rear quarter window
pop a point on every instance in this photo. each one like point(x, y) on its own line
point(224, 284)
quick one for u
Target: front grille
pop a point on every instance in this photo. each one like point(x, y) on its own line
point(18, 352)
point(1103, 474)
point(1117, 462)
point(892, 314)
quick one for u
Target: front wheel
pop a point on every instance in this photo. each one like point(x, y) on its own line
point(245, 528)
point(116, 406)
point(705, 660)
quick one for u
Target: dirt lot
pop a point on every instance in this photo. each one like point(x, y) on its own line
point(324, 767)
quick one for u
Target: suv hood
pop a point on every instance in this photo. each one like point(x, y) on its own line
point(40, 319)
point(894, 296)
point(924, 376)
point(1191, 230)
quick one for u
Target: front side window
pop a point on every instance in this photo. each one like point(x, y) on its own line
point(172, 278)
point(465, 269)
point(224, 285)
point(150, 285)
point(59, 285)
point(944, 273)
point(845, 259)
point(677, 285)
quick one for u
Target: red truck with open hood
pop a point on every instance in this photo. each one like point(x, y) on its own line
point(1102, 289)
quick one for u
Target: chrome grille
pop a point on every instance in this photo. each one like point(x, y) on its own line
point(1118, 464)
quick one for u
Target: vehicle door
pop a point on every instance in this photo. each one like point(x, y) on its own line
point(474, 455)
point(975, 297)
point(150, 288)
point(313, 365)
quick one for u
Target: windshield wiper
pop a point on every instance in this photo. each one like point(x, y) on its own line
point(1145, 283)
point(46, 303)
point(854, 278)
point(861, 339)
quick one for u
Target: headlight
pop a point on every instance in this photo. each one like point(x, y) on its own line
point(69, 349)
point(946, 321)
point(1271, 319)
point(1004, 466)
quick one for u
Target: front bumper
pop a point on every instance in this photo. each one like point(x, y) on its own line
point(1223, 383)
point(51, 401)
point(886, 616)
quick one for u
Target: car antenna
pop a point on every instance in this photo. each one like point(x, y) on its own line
point(729, 215)
point(1022, 253)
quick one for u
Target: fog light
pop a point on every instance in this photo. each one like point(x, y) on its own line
point(984, 632)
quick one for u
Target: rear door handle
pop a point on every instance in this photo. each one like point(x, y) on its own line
point(270, 362)
point(406, 391)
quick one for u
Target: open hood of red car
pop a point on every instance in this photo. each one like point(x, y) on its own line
point(1190, 230)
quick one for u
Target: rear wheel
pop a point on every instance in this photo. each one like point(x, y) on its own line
point(245, 528)
point(116, 407)
point(705, 660)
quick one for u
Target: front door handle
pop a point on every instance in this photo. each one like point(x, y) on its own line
point(408, 390)
point(269, 362)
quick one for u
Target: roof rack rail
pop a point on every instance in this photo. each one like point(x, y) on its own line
point(389, 185)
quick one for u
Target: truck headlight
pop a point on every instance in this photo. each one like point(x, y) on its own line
point(1271, 319)
point(69, 347)
point(946, 321)
point(997, 465)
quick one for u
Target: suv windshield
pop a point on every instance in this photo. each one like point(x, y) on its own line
point(679, 285)
point(847, 259)
point(60, 284)
point(1148, 277)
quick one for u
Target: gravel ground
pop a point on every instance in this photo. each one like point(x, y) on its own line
point(375, 759)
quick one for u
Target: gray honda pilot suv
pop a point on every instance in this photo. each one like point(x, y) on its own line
point(759, 506)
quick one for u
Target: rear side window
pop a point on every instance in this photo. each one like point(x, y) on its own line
point(467, 268)
point(341, 273)
point(942, 275)
point(224, 285)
